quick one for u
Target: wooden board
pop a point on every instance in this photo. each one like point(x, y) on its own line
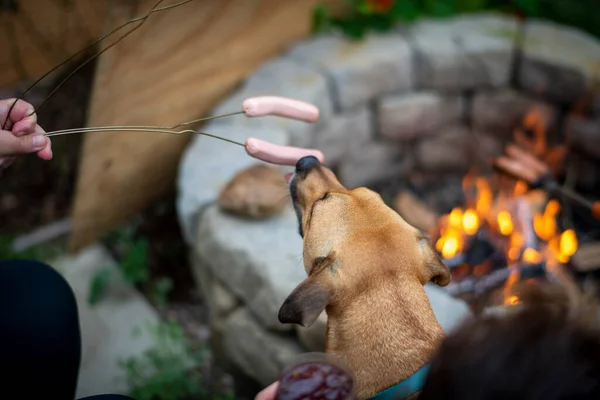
point(175, 68)
point(42, 33)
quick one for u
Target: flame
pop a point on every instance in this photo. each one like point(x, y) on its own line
point(484, 197)
point(451, 244)
point(568, 243)
point(545, 225)
point(455, 218)
point(512, 217)
point(531, 256)
point(470, 222)
point(505, 223)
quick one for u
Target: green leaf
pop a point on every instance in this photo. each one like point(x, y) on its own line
point(530, 7)
point(135, 263)
point(162, 289)
point(439, 8)
point(320, 19)
point(98, 285)
point(405, 10)
point(352, 28)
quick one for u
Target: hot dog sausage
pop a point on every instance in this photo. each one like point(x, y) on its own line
point(281, 155)
point(281, 106)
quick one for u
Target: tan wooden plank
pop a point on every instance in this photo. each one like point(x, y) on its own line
point(173, 69)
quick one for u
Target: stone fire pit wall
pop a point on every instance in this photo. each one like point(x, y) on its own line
point(422, 104)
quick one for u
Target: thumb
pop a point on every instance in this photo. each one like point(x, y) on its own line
point(13, 145)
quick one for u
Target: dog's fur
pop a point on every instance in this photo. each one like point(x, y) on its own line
point(547, 348)
point(366, 267)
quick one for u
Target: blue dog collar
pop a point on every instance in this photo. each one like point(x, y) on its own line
point(403, 389)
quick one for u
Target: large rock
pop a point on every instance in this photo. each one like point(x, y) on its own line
point(449, 311)
point(558, 62)
point(281, 77)
point(451, 149)
point(260, 354)
point(464, 52)
point(208, 164)
point(374, 162)
point(501, 111)
point(344, 133)
point(359, 71)
point(256, 192)
point(405, 116)
point(106, 327)
point(259, 261)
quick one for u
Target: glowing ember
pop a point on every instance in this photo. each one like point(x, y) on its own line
point(505, 232)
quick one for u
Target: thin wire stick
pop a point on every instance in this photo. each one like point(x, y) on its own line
point(107, 48)
point(117, 127)
point(136, 129)
point(86, 48)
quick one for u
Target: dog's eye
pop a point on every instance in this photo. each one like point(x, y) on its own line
point(326, 195)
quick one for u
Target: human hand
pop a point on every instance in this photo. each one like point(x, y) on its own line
point(22, 135)
point(268, 393)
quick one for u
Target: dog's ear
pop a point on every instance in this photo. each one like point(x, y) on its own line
point(433, 269)
point(308, 300)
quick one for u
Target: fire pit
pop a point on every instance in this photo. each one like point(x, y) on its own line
point(420, 115)
point(506, 232)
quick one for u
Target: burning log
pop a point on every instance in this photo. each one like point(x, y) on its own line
point(496, 279)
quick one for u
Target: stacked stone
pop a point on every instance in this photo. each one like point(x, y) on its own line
point(424, 104)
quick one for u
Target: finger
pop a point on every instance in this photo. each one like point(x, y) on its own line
point(20, 111)
point(268, 393)
point(25, 126)
point(46, 152)
point(11, 145)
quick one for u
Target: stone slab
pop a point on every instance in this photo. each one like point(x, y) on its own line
point(208, 164)
point(406, 116)
point(260, 354)
point(106, 327)
point(344, 133)
point(359, 71)
point(374, 162)
point(558, 62)
point(281, 77)
point(465, 52)
point(499, 112)
point(451, 149)
point(259, 261)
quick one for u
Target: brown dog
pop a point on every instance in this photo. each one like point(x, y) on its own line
point(366, 267)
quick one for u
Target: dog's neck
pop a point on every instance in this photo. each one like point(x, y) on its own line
point(386, 342)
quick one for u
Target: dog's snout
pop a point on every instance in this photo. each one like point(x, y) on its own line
point(307, 163)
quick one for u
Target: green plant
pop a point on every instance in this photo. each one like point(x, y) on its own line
point(98, 285)
point(383, 15)
point(166, 371)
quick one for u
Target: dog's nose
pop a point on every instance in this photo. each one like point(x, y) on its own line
point(307, 163)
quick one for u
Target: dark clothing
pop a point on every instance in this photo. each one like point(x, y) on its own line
point(40, 339)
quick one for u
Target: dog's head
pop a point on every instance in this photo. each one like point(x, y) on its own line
point(353, 243)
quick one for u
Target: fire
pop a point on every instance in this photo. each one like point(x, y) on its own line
point(505, 215)
point(532, 256)
point(568, 243)
point(505, 223)
point(470, 222)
